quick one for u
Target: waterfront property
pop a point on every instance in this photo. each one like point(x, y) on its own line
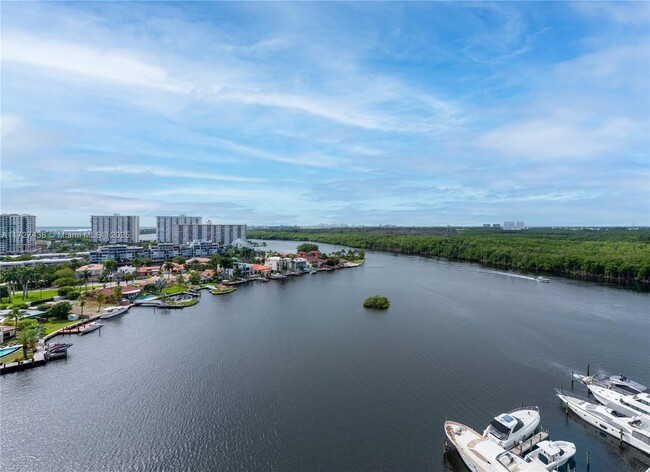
point(115, 229)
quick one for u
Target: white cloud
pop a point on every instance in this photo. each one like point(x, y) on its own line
point(164, 172)
point(101, 63)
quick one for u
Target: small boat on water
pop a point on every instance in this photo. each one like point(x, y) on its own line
point(111, 311)
point(632, 430)
point(481, 454)
point(57, 350)
point(619, 382)
point(627, 404)
point(509, 429)
point(551, 454)
point(539, 278)
point(90, 327)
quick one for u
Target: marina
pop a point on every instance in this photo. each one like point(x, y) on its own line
point(377, 387)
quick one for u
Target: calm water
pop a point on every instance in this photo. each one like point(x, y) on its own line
point(295, 375)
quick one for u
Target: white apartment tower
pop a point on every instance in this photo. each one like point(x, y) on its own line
point(222, 234)
point(165, 226)
point(115, 229)
point(17, 233)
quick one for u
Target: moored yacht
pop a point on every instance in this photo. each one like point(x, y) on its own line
point(111, 311)
point(481, 454)
point(631, 405)
point(551, 454)
point(90, 327)
point(509, 429)
point(620, 382)
point(633, 430)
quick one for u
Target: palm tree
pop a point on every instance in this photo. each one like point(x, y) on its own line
point(15, 315)
point(25, 276)
point(85, 276)
point(82, 303)
point(101, 299)
point(11, 277)
point(168, 267)
point(117, 293)
point(110, 265)
point(27, 337)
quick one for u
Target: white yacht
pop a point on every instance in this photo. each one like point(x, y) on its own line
point(111, 311)
point(633, 430)
point(620, 382)
point(481, 454)
point(630, 405)
point(551, 454)
point(509, 429)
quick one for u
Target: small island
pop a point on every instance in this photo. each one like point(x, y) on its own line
point(376, 302)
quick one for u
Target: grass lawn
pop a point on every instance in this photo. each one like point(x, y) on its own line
point(174, 289)
point(54, 323)
point(17, 299)
point(188, 302)
point(216, 291)
point(18, 355)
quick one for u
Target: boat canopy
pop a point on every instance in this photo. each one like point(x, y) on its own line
point(550, 448)
point(499, 426)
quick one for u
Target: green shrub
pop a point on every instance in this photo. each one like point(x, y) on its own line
point(73, 295)
point(63, 291)
point(60, 310)
point(376, 302)
point(66, 281)
point(40, 302)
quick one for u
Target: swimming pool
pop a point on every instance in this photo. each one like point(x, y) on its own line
point(8, 350)
point(148, 297)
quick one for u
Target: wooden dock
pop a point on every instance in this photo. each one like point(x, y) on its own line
point(528, 444)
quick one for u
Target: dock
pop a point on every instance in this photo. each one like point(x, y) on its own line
point(528, 444)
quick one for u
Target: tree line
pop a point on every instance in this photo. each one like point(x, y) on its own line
point(612, 255)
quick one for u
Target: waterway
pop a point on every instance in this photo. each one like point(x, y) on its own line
point(294, 375)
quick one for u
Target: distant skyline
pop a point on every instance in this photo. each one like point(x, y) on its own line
point(421, 114)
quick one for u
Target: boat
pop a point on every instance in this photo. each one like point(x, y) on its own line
point(627, 404)
point(551, 454)
point(509, 429)
point(112, 311)
point(57, 350)
point(481, 454)
point(90, 327)
point(632, 430)
point(620, 382)
point(539, 278)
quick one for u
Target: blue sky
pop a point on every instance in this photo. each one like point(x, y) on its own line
point(336, 113)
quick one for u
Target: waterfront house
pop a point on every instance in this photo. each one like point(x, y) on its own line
point(148, 271)
point(260, 269)
point(126, 270)
point(278, 264)
point(299, 263)
point(94, 269)
point(128, 291)
point(7, 332)
point(313, 258)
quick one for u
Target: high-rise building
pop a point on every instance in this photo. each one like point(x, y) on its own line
point(223, 234)
point(115, 228)
point(17, 233)
point(165, 226)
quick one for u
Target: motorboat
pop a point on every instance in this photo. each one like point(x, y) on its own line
point(111, 311)
point(539, 278)
point(633, 430)
point(620, 382)
point(631, 405)
point(551, 454)
point(90, 327)
point(509, 429)
point(57, 350)
point(481, 454)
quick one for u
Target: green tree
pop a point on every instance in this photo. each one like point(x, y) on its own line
point(101, 299)
point(117, 293)
point(307, 247)
point(168, 267)
point(110, 265)
point(14, 315)
point(61, 310)
point(195, 278)
point(28, 338)
point(82, 303)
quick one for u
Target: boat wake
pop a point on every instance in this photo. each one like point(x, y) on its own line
point(519, 276)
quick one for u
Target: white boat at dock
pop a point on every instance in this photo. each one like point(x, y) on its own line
point(509, 429)
point(112, 311)
point(90, 327)
point(627, 404)
point(632, 430)
point(481, 454)
point(551, 454)
point(619, 382)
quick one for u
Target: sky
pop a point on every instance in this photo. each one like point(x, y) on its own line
point(422, 113)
